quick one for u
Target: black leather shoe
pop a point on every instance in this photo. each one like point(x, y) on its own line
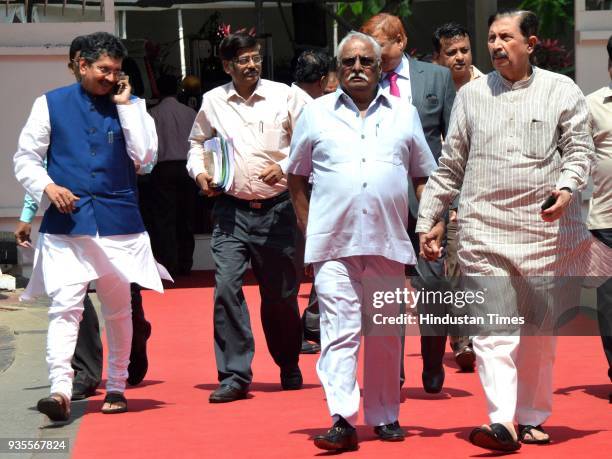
point(56, 406)
point(433, 380)
point(139, 363)
point(226, 393)
point(310, 348)
point(291, 378)
point(81, 391)
point(465, 358)
point(341, 437)
point(390, 432)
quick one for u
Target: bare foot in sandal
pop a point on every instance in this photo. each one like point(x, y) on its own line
point(536, 435)
point(114, 403)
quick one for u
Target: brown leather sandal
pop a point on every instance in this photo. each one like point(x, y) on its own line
point(117, 400)
point(56, 406)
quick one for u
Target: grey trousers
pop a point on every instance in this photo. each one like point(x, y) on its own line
point(264, 237)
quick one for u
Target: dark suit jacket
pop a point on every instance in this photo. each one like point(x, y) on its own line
point(433, 94)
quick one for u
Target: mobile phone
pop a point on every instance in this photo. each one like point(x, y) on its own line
point(121, 83)
point(550, 201)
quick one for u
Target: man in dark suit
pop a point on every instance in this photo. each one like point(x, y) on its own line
point(431, 90)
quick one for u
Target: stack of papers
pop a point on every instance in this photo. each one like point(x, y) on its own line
point(219, 162)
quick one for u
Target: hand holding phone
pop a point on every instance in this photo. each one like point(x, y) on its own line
point(122, 90)
point(554, 207)
point(550, 201)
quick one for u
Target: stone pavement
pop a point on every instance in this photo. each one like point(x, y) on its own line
point(23, 376)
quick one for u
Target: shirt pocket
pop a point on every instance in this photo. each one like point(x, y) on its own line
point(389, 148)
point(539, 138)
point(271, 138)
point(334, 149)
point(389, 157)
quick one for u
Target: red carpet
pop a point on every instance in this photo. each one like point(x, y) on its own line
point(170, 415)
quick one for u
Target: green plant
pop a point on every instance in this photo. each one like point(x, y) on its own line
point(360, 11)
point(551, 13)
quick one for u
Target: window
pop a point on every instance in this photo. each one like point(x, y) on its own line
point(592, 5)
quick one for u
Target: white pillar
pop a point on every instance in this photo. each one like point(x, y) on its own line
point(181, 42)
point(335, 31)
point(124, 24)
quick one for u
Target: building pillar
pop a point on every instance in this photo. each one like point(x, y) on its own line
point(478, 14)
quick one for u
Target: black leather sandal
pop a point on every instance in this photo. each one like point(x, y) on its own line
point(498, 438)
point(527, 430)
point(115, 398)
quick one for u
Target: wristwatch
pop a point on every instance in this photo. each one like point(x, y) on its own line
point(568, 189)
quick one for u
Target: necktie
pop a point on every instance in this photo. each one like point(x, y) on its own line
point(393, 87)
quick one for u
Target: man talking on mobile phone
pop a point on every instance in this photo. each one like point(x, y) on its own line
point(92, 228)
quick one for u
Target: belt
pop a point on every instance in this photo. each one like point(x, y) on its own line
point(258, 204)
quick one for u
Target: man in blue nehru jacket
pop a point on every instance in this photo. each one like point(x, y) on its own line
point(91, 133)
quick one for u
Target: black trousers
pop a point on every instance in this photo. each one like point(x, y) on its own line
point(264, 237)
point(88, 357)
point(604, 303)
point(428, 276)
point(174, 215)
point(310, 317)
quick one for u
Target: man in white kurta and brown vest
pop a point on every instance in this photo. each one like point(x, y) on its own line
point(92, 134)
point(516, 137)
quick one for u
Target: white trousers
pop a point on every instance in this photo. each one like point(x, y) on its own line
point(345, 289)
point(65, 314)
point(516, 373)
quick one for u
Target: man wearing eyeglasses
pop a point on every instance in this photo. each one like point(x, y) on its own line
point(88, 356)
point(361, 145)
point(254, 221)
point(91, 133)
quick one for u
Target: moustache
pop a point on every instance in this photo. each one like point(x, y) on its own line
point(361, 75)
point(500, 55)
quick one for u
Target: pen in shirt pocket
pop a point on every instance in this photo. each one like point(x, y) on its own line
point(111, 136)
point(261, 127)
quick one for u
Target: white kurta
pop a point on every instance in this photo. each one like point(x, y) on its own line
point(508, 146)
point(65, 259)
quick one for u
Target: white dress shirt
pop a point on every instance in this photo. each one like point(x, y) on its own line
point(360, 166)
point(403, 80)
point(259, 127)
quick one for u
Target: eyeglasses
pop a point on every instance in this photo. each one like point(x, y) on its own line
point(365, 61)
point(107, 71)
point(244, 60)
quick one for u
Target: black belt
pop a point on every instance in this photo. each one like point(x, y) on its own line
point(258, 204)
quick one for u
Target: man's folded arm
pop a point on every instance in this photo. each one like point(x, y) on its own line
point(139, 131)
point(575, 141)
point(201, 131)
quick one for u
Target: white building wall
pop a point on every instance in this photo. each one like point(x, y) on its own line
point(593, 29)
